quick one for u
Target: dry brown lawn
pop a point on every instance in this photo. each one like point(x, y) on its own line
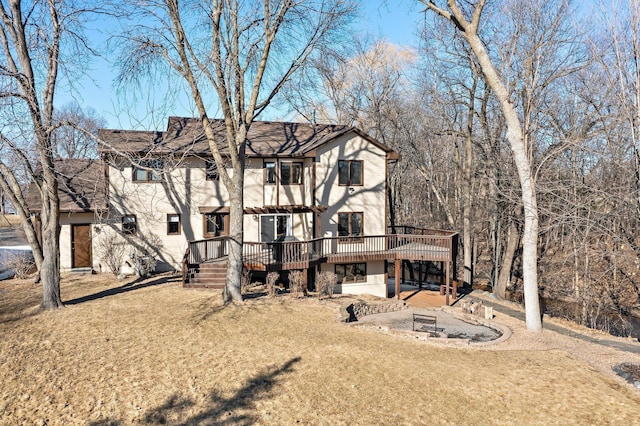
point(154, 353)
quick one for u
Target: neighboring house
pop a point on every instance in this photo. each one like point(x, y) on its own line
point(314, 199)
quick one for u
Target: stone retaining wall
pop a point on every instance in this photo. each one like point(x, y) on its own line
point(354, 311)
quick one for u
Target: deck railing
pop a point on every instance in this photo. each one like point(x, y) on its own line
point(206, 250)
point(416, 230)
point(283, 255)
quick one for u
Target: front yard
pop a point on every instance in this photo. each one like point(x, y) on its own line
point(154, 353)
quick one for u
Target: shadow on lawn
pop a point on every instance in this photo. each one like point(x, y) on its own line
point(237, 409)
point(138, 284)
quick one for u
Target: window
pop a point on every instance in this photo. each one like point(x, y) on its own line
point(350, 172)
point(143, 172)
point(211, 170)
point(129, 225)
point(274, 226)
point(351, 272)
point(290, 173)
point(269, 172)
point(174, 226)
point(350, 225)
point(215, 224)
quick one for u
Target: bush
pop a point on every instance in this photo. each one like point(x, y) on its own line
point(21, 263)
point(245, 281)
point(112, 250)
point(296, 283)
point(326, 283)
point(272, 279)
point(144, 265)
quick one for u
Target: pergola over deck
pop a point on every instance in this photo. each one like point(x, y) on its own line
point(407, 243)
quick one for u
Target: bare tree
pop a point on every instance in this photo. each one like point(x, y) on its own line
point(243, 52)
point(36, 38)
point(467, 20)
point(73, 139)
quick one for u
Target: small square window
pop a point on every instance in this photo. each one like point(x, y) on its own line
point(129, 225)
point(174, 227)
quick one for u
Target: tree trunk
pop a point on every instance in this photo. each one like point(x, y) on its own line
point(504, 276)
point(10, 184)
point(232, 289)
point(50, 270)
point(467, 185)
point(529, 201)
point(468, 29)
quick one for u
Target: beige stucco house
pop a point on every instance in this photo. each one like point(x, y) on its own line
point(314, 199)
point(302, 181)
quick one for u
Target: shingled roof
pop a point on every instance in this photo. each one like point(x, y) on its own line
point(82, 186)
point(265, 138)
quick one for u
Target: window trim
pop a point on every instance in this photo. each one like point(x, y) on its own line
point(291, 165)
point(354, 281)
point(169, 222)
point(129, 228)
point(350, 237)
point(225, 223)
point(151, 168)
point(350, 182)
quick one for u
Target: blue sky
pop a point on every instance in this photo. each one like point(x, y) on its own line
point(395, 21)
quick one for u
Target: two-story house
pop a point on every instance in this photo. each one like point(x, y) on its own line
point(314, 199)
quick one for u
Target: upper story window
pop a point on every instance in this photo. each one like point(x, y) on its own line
point(350, 225)
point(211, 170)
point(290, 173)
point(350, 172)
point(129, 224)
point(269, 172)
point(173, 224)
point(148, 171)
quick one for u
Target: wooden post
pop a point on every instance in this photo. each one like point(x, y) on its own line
point(442, 288)
point(446, 284)
point(305, 285)
point(420, 274)
point(386, 279)
point(397, 265)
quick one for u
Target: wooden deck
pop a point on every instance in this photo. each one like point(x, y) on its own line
point(414, 244)
point(289, 255)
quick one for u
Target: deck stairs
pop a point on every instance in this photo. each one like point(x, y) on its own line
point(207, 275)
